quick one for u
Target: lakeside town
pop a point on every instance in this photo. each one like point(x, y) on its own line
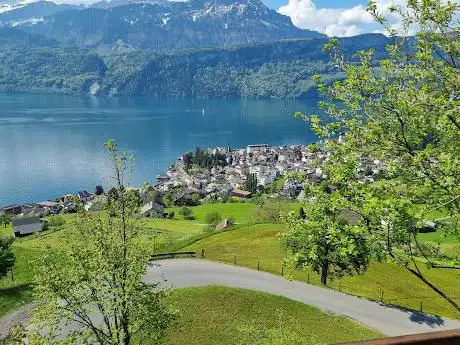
point(219, 174)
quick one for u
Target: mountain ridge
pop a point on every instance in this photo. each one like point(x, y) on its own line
point(156, 25)
point(280, 69)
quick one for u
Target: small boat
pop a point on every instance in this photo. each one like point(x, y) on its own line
point(202, 112)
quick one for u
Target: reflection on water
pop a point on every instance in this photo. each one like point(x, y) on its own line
point(53, 144)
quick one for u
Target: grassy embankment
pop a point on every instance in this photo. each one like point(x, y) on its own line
point(255, 245)
point(224, 316)
point(211, 315)
point(15, 289)
point(249, 245)
point(242, 213)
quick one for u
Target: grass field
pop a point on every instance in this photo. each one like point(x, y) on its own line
point(240, 212)
point(250, 245)
point(255, 245)
point(161, 234)
point(15, 289)
point(449, 244)
point(224, 316)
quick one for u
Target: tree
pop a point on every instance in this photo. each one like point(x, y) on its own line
point(251, 183)
point(187, 159)
point(153, 195)
point(98, 271)
point(213, 218)
point(7, 258)
point(5, 219)
point(404, 113)
point(326, 241)
point(196, 197)
point(168, 199)
point(268, 212)
point(99, 190)
point(302, 214)
point(186, 212)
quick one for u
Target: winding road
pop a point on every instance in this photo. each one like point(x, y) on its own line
point(392, 321)
point(181, 273)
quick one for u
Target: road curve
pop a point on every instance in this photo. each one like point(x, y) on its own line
point(392, 321)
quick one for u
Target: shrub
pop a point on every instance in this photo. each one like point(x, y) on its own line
point(268, 212)
point(55, 221)
point(186, 212)
point(99, 190)
point(213, 218)
point(45, 225)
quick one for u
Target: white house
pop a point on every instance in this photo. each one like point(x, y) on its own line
point(84, 196)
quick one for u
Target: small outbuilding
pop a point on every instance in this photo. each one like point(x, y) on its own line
point(26, 225)
point(241, 193)
point(152, 209)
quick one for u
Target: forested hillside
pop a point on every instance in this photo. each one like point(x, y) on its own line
point(280, 69)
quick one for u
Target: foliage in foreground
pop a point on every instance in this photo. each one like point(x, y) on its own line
point(91, 287)
point(326, 241)
point(6, 255)
point(406, 115)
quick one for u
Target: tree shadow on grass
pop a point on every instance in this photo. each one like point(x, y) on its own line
point(13, 297)
point(16, 291)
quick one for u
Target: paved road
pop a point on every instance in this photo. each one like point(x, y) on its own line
point(388, 320)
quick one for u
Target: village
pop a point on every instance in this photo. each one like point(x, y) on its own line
point(229, 170)
point(208, 175)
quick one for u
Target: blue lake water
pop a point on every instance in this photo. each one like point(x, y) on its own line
point(53, 144)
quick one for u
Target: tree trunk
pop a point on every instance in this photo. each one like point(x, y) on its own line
point(324, 273)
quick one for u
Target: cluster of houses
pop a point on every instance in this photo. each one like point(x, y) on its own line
point(266, 163)
point(27, 218)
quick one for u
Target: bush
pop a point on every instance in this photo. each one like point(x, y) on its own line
point(99, 190)
point(55, 221)
point(45, 225)
point(213, 218)
point(186, 212)
point(268, 212)
point(196, 197)
point(430, 249)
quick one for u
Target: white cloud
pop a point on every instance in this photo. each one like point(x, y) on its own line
point(331, 21)
point(338, 21)
point(342, 21)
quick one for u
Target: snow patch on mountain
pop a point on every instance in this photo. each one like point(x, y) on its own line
point(28, 21)
point(165, 19)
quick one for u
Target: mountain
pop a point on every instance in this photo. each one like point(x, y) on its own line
point(15, 14)
point(281, 69)
point(11, 38)
point(161, 25)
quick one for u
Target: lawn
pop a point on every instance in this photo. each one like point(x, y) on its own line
point(257, 245)
point(224, 316)
point(241, 212)
point(15, 289)
point(449, 244)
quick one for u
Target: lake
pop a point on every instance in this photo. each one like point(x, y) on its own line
point(53, 144)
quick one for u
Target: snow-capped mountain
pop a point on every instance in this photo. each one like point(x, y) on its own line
point(156, 24)
point(29, 12)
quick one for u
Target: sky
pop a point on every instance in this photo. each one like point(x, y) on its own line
point(339, 17)
point(333, 18)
